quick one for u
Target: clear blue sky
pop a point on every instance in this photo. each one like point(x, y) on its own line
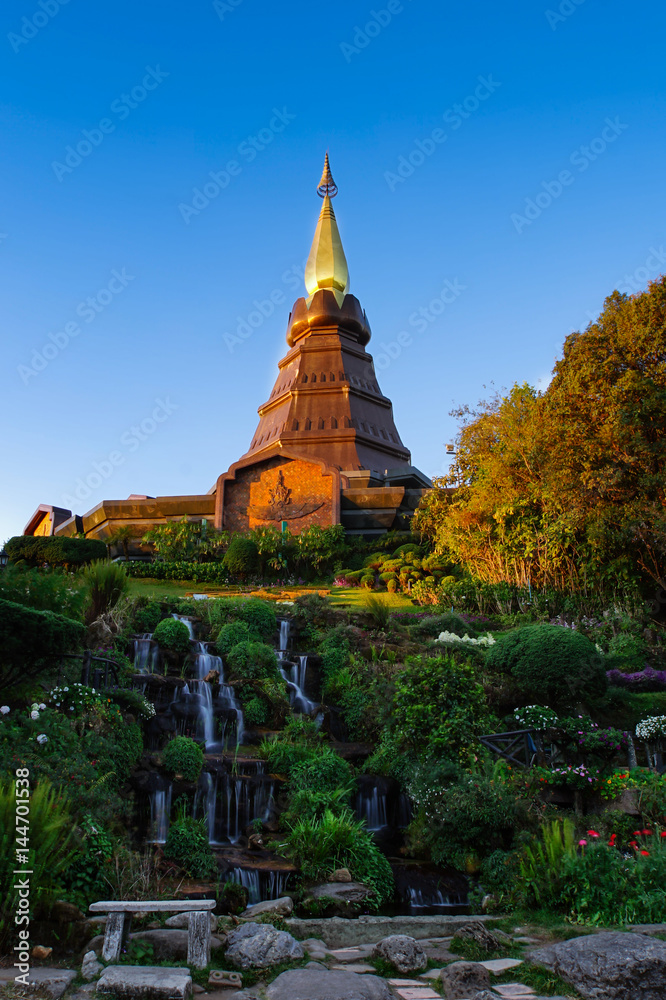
point(170, 91)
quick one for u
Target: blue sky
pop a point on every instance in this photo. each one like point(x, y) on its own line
point(534, 199)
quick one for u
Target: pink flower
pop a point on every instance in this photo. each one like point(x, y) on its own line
point(582, 843)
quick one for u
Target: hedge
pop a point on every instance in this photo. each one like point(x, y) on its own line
point(32, 640)
point(56, 551)
point(213, 572)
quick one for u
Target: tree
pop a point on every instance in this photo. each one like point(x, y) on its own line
point(186, 540)
point(121, 536)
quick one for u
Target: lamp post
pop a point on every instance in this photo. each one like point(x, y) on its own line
point(4, 558)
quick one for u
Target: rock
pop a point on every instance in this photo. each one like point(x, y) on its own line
point(315, 947)
point(259, 946)
point(41, 952)
point(180, 921)
point(476, 931)
point(499, 965)
point(345, 898)
point(222, 979)
point(282, 906)
point(313, 984)
point(145, 982)
point(45, 980)
point(168, 945)
point(487, 995)
point(609, 966)
point(66, 913)
point(404, 953)
point(90, 967)
point(255, 842)
point(340, 875)
point(464, 979)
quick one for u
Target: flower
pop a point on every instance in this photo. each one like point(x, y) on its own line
point(613, 838)
point(42, 739)
point(34, 706)
point(592, 833)
point(582, 843)
point(34, 715)
point(645, 852)
point(42, 707)
point(4, 709)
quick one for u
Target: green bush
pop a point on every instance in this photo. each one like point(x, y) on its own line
point(55, 550)
point(439, 707)
point(173, 635)
point(601, 886)
point(187, 845)
point(231, 635)
point(339, 840)
point(434, 625)
point(252, 660)
point(183, 756)
point(178, 569)
point(368, 582)
point(256, 712)
point(322, 772)
point(553, 665)
point(106, 582)
point(378, 608)
point(33, 641)
point(298, 741)
point(242, 557)
point(127, 748)
point(392, 585)
point(43, 590)
point(147, 616)
point(259, 615)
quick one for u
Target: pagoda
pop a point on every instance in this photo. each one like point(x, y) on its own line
point(326, 449)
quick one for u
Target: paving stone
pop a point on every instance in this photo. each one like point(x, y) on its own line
point(135, 982)
point(52, 981)
point(524, 939)
point(358, 967)
point(352, 954)
point(499, 965)
point(431, 974)
point(418, 993)
point(514, 990)
point(404, 982)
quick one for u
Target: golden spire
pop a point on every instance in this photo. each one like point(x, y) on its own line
point(327, 264)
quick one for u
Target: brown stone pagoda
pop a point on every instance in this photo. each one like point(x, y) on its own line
point(326, 449)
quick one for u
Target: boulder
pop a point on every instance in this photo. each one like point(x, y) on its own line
point(318, 984)
point(66, 913)
point(281, 907)
point(464, 979)
point(609, 966)
point(340, 875)
point(145, 982)
point(90, 967)
point(259, 946)
point(344, 898)
point(54, 982)
point(404, 953)
point(168, 944)
point(180, 921)
point(477, 933)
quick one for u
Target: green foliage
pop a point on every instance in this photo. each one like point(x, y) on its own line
point(378, 608)
point(434, 625)
point(208, 572)
point(339, 840)
point(56, 550)
point(187, 845)
point(127, 748)
point(256, 712)
point(47, 838)
point(318, 548)
point(541, 867)
point(439, 707)
point(85, 877)
point(183, 756)
point(556, 666)
point(258, 615)
point(106, 582)
point(298, 741)
point(235, 896)
point(186, 540)
point(147, 616)
point(33, 641)
point(601, 886)
point(252, 661)
point(242, 557)
point(231, 635)
point(173, 635)
point(43, 590)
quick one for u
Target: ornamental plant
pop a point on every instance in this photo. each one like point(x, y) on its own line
point(652, 729)
point(536, 717)
point(173, 635)
point(183, 756)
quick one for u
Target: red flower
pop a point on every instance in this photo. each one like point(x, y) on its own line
point(646, 833)
point(645, 852)
point(663, 833)
point(613, 838)
point(632, 843)
point(592, 833)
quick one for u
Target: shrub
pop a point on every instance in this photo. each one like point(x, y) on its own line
point(242, 557)
point(298, 741)
point(252, 660)
point(439, 706)
point(259, 615)
point(172, 635)
point(55, 550)
point(433, 625)
point(43, 590)
point(231, 635)
point(378, 608)
point(553, 665)
point(32, 641)
point(187, 845)
point(183, 756)
point(256, 712)
point(320, 846)
point(106, 583)
point(392, 585)
point(322, 772)
point(368, 582)
point(147, 617)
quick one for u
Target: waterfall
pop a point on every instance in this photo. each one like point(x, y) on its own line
point(260, 885)
point(437, 901)
point(295, 674)
point(371, 806)
point(285, 629)
point(146, 654)
point(185, 621)
point(160, 810)
point(228, 700)
point(205, 802)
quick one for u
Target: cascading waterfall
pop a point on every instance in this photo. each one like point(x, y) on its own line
point(436, 901)
point(294, 673)
point(260, 885)
point(185, 621)
point(160, 810)
point(371, 805)
point(146, 654)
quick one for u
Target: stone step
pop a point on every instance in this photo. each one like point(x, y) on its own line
point(39, 978)
point(145, 982)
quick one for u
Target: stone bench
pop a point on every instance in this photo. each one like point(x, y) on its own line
point(198, 931)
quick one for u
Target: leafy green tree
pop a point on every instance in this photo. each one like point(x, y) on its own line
point(242, 557)
point(191, 541)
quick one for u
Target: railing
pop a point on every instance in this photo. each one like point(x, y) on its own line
point(92, 677)
point(522, 747)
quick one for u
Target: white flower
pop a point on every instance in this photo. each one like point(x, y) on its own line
point(42, 739)
point(71, 708)
point(4, 709)
point(65, 689)
point(93, 690)
point(34, 715)
point(652, 727)
point(451, 637)
point(42, 707)
point(34, 706)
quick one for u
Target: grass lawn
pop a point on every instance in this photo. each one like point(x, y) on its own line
point(354, 597)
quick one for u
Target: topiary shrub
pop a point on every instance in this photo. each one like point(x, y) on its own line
point(368, 582)
point(231, 635)
point(57, 550)
point(252, 660)
point(173, 635)
point(242, 557)
point(555, 666)
point(392, 585)
point(183, 756)
point(259, 615)
point(432, 626)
